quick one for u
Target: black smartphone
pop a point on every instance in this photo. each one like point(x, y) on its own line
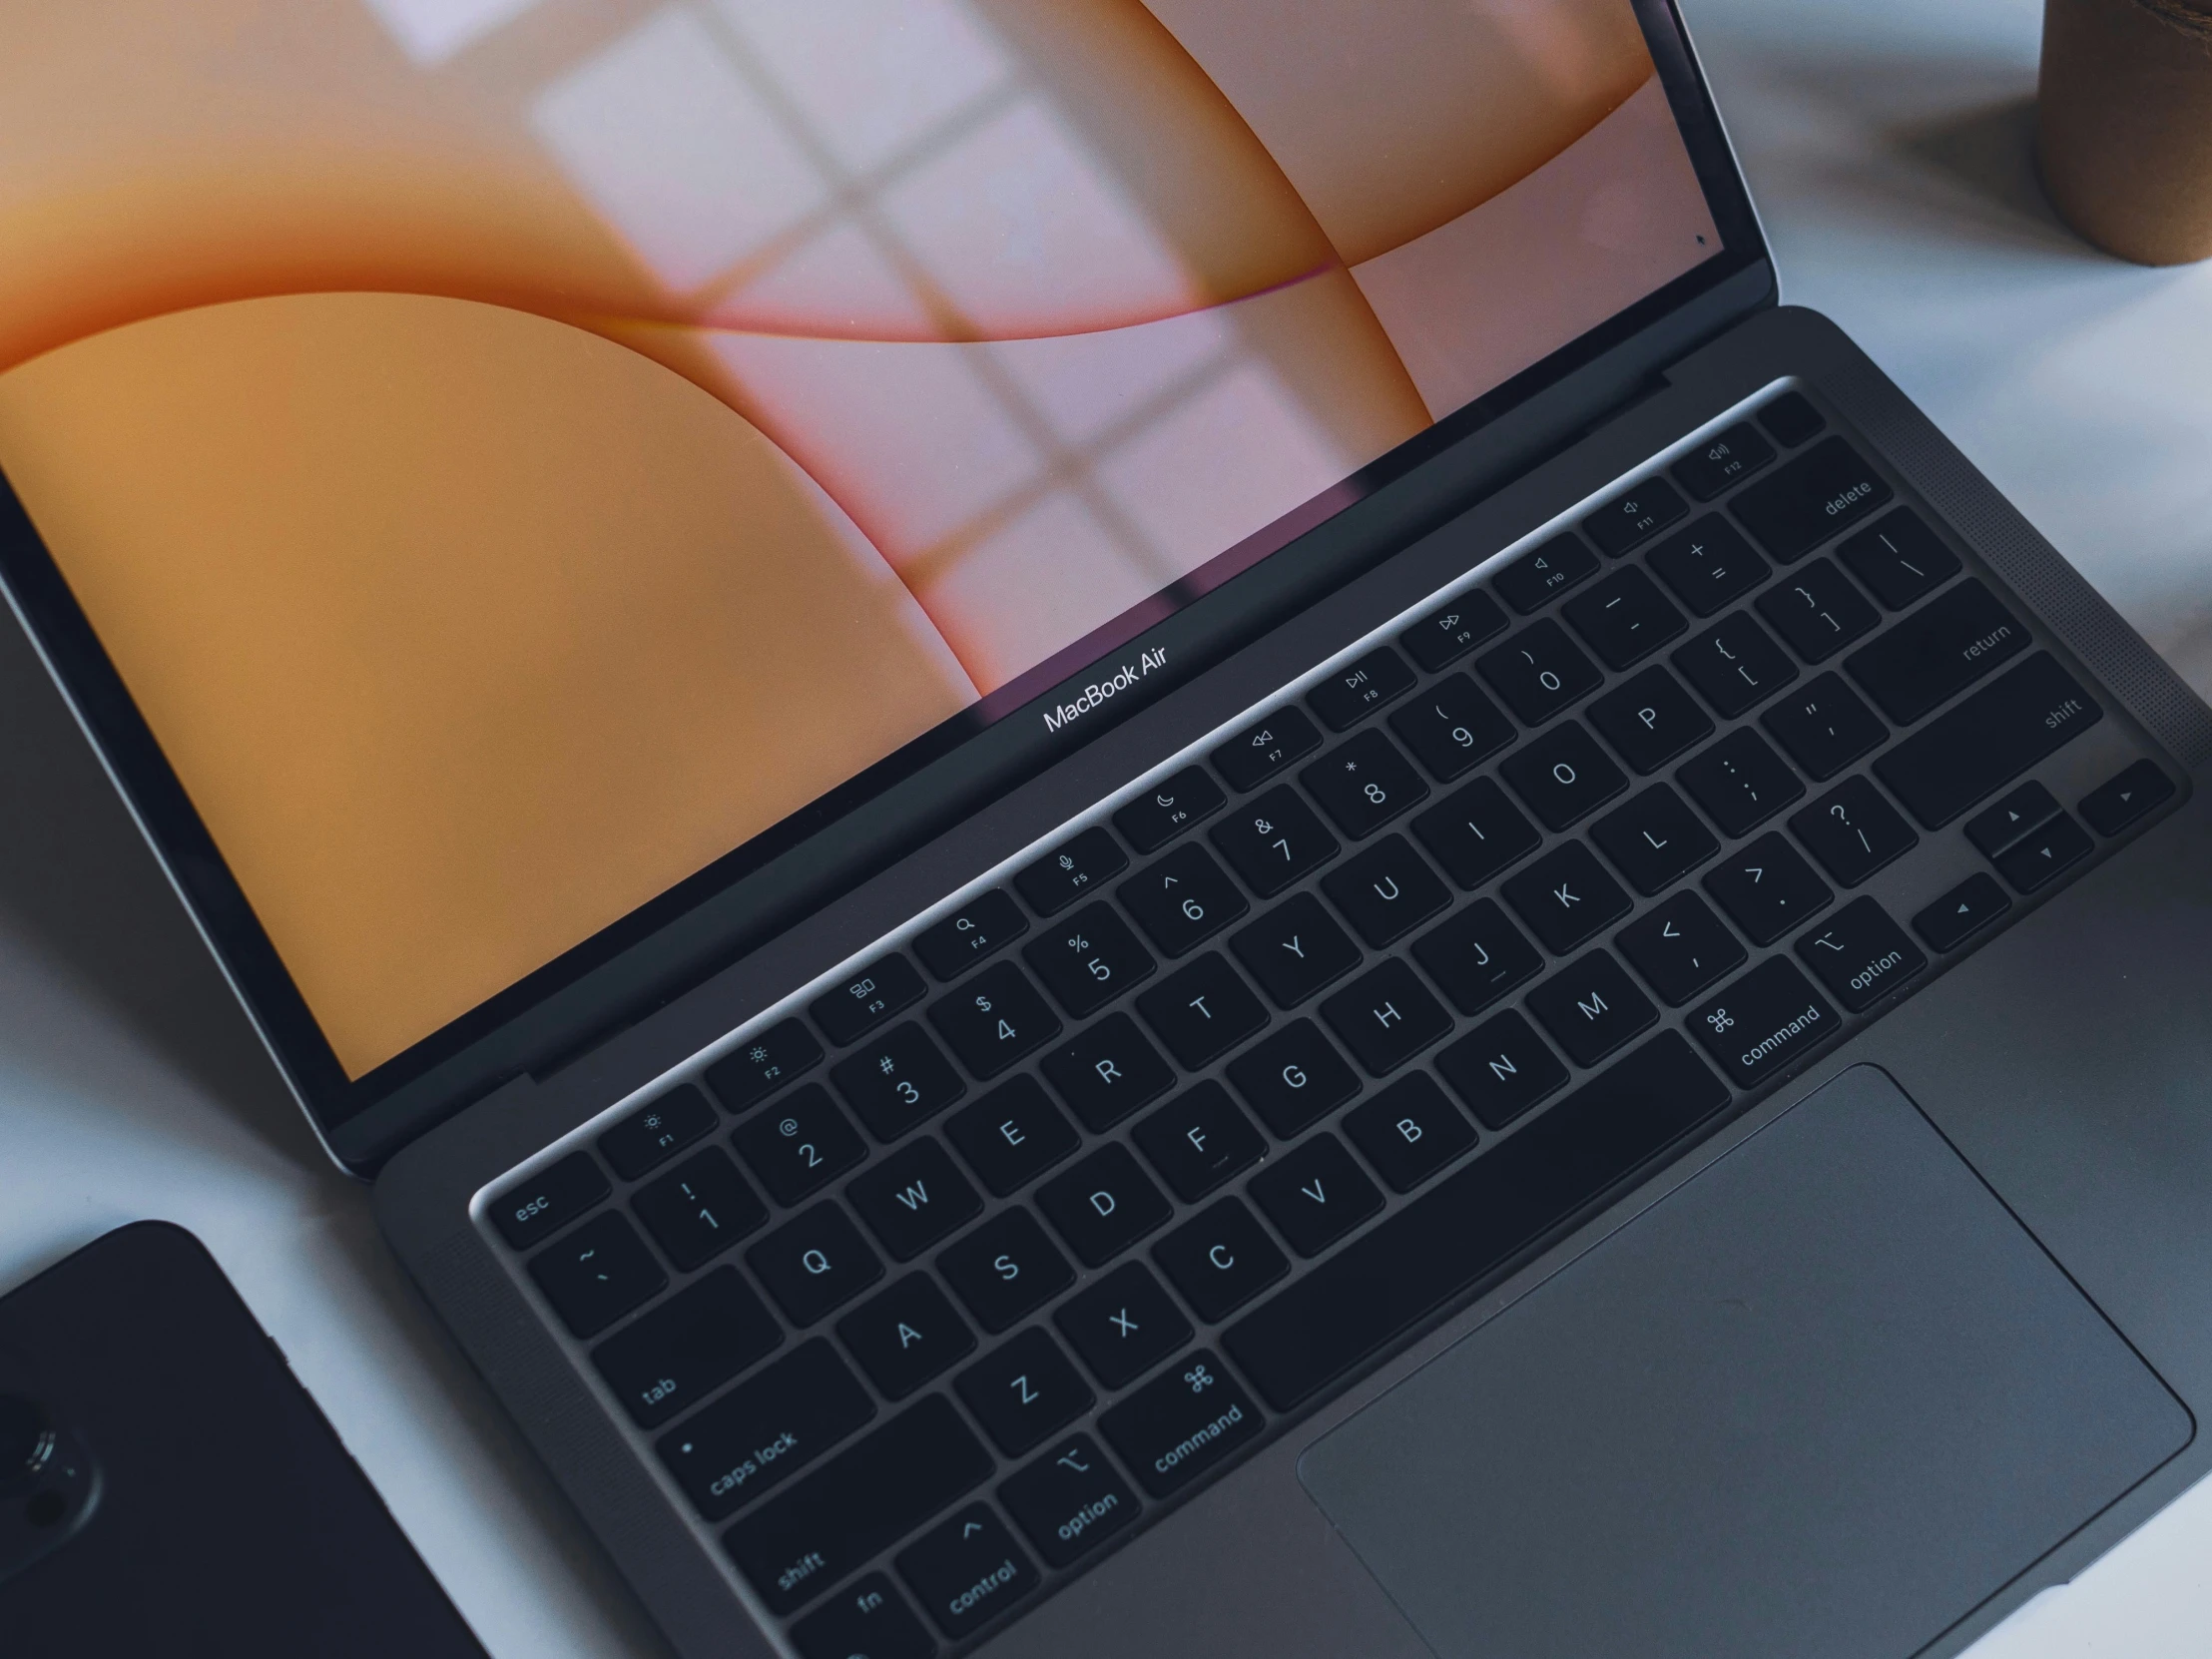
point(168, 1487)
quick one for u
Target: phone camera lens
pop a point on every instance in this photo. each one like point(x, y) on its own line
point(26, 1441)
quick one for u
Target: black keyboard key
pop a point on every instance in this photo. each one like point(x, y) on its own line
point(1766, 888)
point(1808, 499)
point(700, 1209)
point(1792, 418)
point(1860, 954)
point(1202, 1011)
point(1358, 689)
point(1500, 1069)
point(1364, 783)
point(756, 1068)
point(598, 1274)
point(1072, 871)
point(2037, 861)
point(993, 1020)
point(1900, 558)
point(1984, 743)
point(1680, 947)
point(1103, 1205)
point(1260, 751)
point(815, 1262)
point(801, 1146)
point(1293, 1080)
point(1068, 1502)
point(1634, 516)
point(1012, 1135)
point(1024, 1391)
point(1474, 1223)
point(1722, 460)
point(1735, 665)
point(1476, 832)
point(657, 1131)
point(1183, 1424)
point(2111, 807)
point(1409, 1131)
point(1385, 1018)
point(868, 1620)
point(897, 1081)
point(1761, 1023)
point(1451, 727)
point(1089, 959)
point(1123, 1325)
point(1650, 719)
point(765, 1429)
point(1962, 913)
point(1709, 566)
point(1566, 897)
point(856, 1504)
point(868, 998)
point(1654, 840)
point(1477, 956)
point(1006, 1270)
point(1740, 782)
point(1538, 671)
point(1624, 619)
point(1824, 726)
point(966, 1571)
point(1541, 574)
point(912, 1198)
point(907, 1336)
point(1997, 825)
point(1274, 840)
point(1563, 776)
point(1220, 1258)
point(1108, 1071)
point(549, 1199)
point(1592, 1008)
point(1295, 949)
point(1937, 651)
point(1818, 611)
point(1386, 891)
point(1168, 808)
point(1198, 1139)
point(1183, 900)
point(680, 1353)
point(985, 923)
point(1853, 831)
point(1315, 1194)
point(1452, 629)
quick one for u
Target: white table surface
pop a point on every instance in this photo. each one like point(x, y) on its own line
point(1886, 141)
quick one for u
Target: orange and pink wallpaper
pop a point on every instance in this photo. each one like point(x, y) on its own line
point(517, 451)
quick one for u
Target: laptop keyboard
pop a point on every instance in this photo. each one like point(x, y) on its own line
point(932, 1284)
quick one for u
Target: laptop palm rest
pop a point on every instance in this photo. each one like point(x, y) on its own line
point(1824, 1398)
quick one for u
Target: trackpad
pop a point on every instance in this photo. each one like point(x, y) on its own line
point(1823, 1399)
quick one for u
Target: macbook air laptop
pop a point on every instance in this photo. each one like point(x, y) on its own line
point(1131, 826)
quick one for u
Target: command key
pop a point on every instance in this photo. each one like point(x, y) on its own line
point(1183, 1424)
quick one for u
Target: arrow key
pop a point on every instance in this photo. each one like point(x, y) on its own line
point(2127, 797)
point(1965, 909)
point(966, 1571)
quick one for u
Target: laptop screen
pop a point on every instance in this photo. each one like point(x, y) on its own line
point(517, 453)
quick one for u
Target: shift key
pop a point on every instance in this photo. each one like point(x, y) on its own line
point(865, 1499)
point(1987, 741)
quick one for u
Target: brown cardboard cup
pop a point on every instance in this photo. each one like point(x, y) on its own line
point(2124, 124)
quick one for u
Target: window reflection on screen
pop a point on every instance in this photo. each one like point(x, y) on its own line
point(516, 450)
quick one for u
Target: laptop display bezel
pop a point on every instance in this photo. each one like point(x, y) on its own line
point(752, 894)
